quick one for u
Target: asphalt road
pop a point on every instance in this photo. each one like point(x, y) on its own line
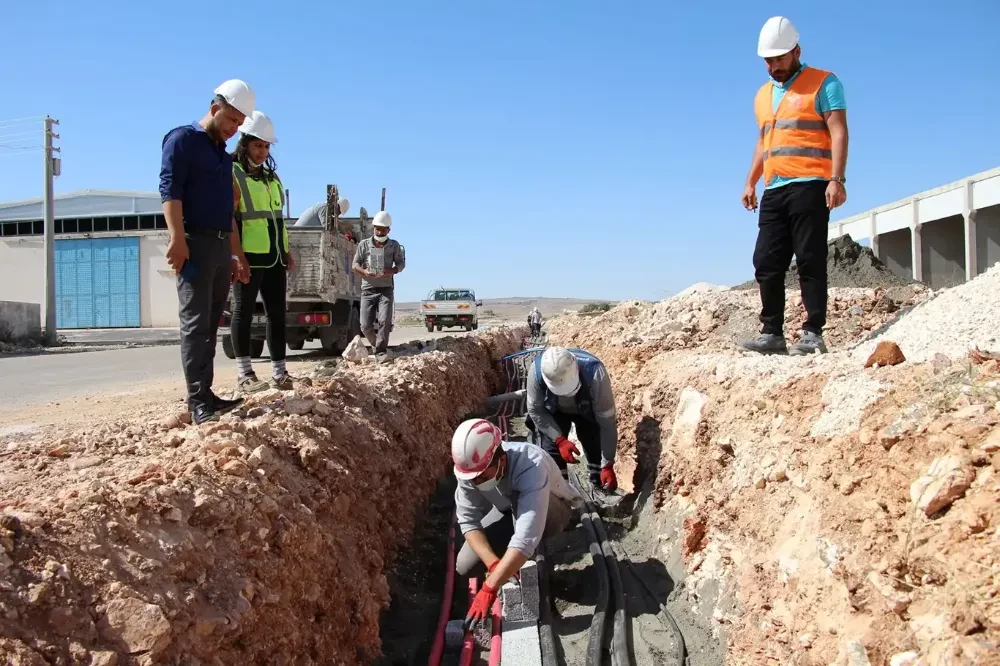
point(28, 380)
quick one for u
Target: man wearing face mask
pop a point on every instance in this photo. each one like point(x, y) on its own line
point(571, 387)
point(377, 260)
point(510, 495)
point(801, 151)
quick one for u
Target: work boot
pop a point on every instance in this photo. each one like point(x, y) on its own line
point(250, 384)
point(383, 357)
point(809, 343)
point(766, 343)
point(282, 383)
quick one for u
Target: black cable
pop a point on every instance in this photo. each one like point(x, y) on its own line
point(546, 637)
point(595, 639)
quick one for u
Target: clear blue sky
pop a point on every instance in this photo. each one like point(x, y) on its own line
point(586, 149)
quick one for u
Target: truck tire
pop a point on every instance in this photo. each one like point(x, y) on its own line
point(475, 326)
point(430, 328)
point(296, 345)
point(227, 346)
point(438, 327)
point(256, 348)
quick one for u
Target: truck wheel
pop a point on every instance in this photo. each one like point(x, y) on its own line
point(468, 327)
point(430, 328)
point(296, 345)
point(438, 327)
point(227, 346)
point(256, 348)
point(475, 326)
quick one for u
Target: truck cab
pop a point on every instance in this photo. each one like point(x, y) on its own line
point(450, 307)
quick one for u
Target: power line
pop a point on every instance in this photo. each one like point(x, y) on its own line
point(7, 136)
point(15, 121)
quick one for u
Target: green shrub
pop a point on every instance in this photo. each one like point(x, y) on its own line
point(595, 307)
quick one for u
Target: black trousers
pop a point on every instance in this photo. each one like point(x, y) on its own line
point(587, 431)
point(270, 283)
point(793, 220)
point(201, 297)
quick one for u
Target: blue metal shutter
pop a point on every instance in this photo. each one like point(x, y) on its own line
point(97, 283)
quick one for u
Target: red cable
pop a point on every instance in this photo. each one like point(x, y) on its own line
point(497, 639)
point(449, 591)
point(469, 643)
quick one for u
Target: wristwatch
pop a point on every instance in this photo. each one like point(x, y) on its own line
point(838, 179)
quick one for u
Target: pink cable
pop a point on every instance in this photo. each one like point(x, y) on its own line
point(469, 642)
point(449, 591)
point(496, 640)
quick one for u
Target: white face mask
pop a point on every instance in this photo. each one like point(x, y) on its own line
point(381, 239)
point(487, 486)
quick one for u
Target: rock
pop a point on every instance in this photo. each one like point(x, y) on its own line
point(85, 462)
point(992, 442)
point(897, 600)
point(236, 468)
point(103, 658)
point(904, 659)
point(262, 456)
point(356, 351)
point(888, 437)
point(777, 474)
point(299, 406)
point(141, 627)
point(857, 655)
point(178, 420)
point(866, 436)
point(322, 409)
point(759, 482)
point(947, 479)
point(61, 450)
point(886, 353)
point(695, 528)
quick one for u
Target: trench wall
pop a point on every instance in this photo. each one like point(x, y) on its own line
point(262, 539)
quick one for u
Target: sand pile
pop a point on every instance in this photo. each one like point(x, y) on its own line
point(262, 539)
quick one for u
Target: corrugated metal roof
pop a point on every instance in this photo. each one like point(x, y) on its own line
point(85, 203)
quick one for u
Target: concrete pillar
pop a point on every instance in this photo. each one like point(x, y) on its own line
point(971, 240)
point(873, 233)
point(915, 245)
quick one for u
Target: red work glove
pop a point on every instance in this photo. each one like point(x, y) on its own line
point(566, 449)
point(608, 479)
point(481, 607)
point(493, 566)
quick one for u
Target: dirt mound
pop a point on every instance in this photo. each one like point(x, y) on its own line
point(262, 539)
point(854, 514)
point(849, 264)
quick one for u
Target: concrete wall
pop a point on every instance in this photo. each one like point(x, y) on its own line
point(943, 251)
point(20, 321)
point(987, 237)
point(22, 275)
point(894, 249)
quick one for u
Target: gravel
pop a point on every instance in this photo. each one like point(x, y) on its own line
point(951, 323)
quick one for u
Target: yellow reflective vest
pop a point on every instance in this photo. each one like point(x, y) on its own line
point(261, 205)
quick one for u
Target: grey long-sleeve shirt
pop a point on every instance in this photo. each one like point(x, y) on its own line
point(532, 476)
point(379, 259)
point(603, 399)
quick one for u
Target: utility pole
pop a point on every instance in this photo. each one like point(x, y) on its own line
point(52, 168)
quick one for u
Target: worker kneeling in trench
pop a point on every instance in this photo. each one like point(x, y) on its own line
point(510, 495)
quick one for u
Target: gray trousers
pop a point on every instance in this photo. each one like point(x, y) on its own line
point(202, 298)
point(499, 529)
point(377, 302)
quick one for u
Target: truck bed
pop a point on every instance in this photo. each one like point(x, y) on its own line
point(318, 277)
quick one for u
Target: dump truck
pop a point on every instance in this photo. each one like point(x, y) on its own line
point(447, 307)
point(323, 293)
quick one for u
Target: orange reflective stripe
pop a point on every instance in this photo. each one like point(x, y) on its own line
point(796, 139)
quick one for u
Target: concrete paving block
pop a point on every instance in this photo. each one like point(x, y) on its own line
point(520, 643)
point(520, 601)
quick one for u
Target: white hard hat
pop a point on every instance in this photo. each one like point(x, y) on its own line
point(560, 371)
point(473, 446)
point(777, 37)
point(238, 94)
point(344, 205)
point(382, 219)
point(259, 126)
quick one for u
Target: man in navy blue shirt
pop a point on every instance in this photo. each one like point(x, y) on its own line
point(196, 186)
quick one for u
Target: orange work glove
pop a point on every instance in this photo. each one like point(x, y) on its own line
point(481, 607)
point(608, 479)
point(566, 449)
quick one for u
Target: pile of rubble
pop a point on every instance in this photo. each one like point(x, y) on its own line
point(852, 513)
point(261, 539)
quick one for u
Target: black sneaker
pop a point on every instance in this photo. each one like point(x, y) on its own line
point(766, 343)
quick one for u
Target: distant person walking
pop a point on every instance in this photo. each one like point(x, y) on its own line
point(196, 186)
point(535, 321)
point(802, 153)
point(377, 260)
point(259, 198)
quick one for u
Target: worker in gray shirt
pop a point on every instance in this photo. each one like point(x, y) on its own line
point(509, 496)
point(377, 260)
point(571, 387)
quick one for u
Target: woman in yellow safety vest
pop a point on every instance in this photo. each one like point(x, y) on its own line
point(259, 200)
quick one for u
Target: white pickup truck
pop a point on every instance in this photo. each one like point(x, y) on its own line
point(448, 307)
